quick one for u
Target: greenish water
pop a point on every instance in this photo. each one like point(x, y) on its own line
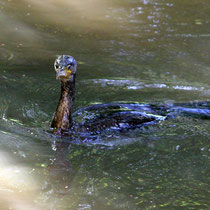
point(145, 51)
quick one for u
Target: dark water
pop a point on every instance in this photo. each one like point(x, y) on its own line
point(145, 51)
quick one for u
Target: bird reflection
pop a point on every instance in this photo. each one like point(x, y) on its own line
point(60, 171)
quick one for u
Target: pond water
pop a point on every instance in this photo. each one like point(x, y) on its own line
point(133, 51)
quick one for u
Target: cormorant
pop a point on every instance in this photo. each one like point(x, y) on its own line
point(114, 115)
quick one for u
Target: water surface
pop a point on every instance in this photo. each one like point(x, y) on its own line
point(142, 51)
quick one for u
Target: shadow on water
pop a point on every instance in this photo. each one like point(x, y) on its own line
point(137, 52)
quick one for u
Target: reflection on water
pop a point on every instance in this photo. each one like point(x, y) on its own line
point(142, 51)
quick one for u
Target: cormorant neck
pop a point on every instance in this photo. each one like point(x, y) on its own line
point(63, 115)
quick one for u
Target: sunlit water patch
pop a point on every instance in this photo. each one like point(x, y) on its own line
point(18, 187)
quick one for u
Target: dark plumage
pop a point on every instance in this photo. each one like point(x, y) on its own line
point(62, 118)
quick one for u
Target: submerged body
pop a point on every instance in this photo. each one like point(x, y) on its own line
point(115, 116)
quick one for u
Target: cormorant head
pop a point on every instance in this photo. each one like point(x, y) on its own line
point(65, 67)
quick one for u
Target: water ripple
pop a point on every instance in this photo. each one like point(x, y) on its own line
point(135, 85)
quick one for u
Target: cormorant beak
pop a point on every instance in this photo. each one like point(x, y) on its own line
point(62, 72)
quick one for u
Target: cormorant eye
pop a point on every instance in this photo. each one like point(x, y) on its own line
point(69, 66)
point(56, 66)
